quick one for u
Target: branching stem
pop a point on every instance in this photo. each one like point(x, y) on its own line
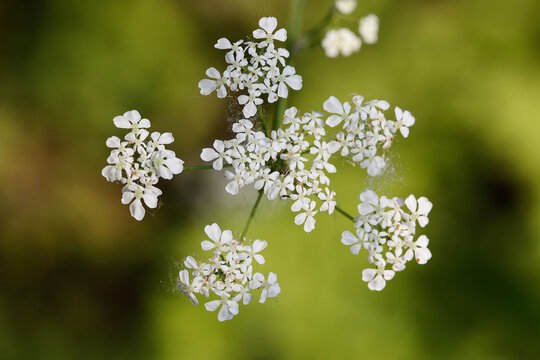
point(344, 213)
point(252, 214)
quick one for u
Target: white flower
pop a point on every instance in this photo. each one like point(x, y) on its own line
point(288, 77)
point(250, 101)
point(348, 238)
point(268, 25)
point(167, 164)
point(342, 41)
point(188, 288)
point(345, 6)
point(229, 308)
point(420, 250)
point(369, 28)
point(404, 120)
point(270, 287)
point(219, 238)
point(219, 154)
point(131, 120)
point(307, 217)
point(216, 81)
point(419, 209)
point(376, 278)
point(135, 193)
point(258, 246)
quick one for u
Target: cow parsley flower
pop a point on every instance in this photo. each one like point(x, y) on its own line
point(257, 69)
point(139, 162)
point(228, 274)
point(386, 229)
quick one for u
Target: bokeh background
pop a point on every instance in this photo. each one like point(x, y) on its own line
point(80, 279)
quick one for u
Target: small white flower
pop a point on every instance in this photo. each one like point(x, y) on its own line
point(345, 6)
point(229, 308)
point(404, 120)
point(134, 194)
point(342, 41)
point(270, 286)
point(131, 120)
point(268, 25)
point(307, 218)
point(376, 278)
point(419, 209)
point(420, 250)
point(369, 28)
point(349, 239)
point(219, 154)
point(219, 238)
point(188, 288)
point(216, 81)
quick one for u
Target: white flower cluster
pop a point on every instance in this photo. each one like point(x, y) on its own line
point(366, 131)
point(387, 232)
point(139, 161)
point(294, 163)
point(279, 166)
point(259, 68)
point(345, 42)
point(228, 273)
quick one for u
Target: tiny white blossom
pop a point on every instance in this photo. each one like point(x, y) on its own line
point(345, 6)
point(369, 28)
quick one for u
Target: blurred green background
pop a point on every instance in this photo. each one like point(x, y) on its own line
point(80, 279)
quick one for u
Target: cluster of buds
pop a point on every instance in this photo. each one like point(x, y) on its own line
point(139, 161)
point(386, 230)
point(228, 274)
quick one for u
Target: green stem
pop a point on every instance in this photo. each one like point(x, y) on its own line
point(344, 213)
point(253, 210)
point(203, 167)
point(263, 122)
point(296, 12)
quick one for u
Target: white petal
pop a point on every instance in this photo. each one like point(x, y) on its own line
point(424, 206)
point(121, 122)
point(150, 200)
point(213, 231)
point(377, 284)
point(212, 305)
point(127, 197)
point(209, 154)
point(259, 245)
point(410, 201)
point(281, 35)
point(348, 238)
point(113, 142)
point(223, 43)
point(207, 245)
point(333, 105)
point(175, 165)
point(226, 237)
point(368, 274)
point(295, 82)
point(268, 23)
point(207, 86)
point(137, 210)
point(166, 138)
point(333, 120)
